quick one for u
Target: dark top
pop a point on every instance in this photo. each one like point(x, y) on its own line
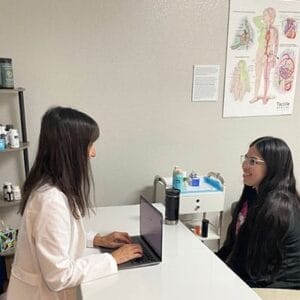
point(250, 196)
point(288, 275)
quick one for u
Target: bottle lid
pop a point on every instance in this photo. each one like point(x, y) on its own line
point(8, 127)
point(5, 60)
point(193, 174)
point(172, 192)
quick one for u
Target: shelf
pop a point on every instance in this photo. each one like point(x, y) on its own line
point(4, 203)
point(9, 252)
point(22, 147)
point(12, 91)
point(212, 235)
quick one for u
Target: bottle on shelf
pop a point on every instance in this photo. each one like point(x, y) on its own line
point(14, 140)
point(8, 127)
point(3, 138)
point(2, 142)
point(177, 178)
point(7, 191)
point(19, 135)
point(6, 74)
point(204, 231)
point(16, 192)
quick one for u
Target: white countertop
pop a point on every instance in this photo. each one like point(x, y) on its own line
point(188, 270)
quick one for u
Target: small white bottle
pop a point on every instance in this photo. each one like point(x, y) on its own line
point(16, 192)
point(6, 189)
point(14, 138)
point(9, 193)
point(2, 129)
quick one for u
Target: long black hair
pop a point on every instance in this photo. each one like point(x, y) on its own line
point(62, 158)
point(279, 162)
point(266, 227)
point(259, 243)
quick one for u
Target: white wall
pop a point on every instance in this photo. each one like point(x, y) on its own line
point(129, 64)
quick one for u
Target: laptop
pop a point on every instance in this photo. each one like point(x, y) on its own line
point(150, 238)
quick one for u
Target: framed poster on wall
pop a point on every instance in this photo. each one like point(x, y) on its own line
point(262, 58)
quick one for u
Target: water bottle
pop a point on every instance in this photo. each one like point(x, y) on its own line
point(177, 178)
point(204, 230)
point(172, 206)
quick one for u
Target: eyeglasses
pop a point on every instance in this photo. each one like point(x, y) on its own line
point(251, 161)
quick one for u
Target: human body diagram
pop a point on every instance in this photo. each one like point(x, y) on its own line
point(262, 58)
point(266, 54)
point(290, 28)
point(285, 72)
point(243, 39)
point(240, 81)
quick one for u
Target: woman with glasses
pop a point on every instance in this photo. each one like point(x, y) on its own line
point(263, 240)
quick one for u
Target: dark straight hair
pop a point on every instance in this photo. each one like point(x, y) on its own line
point(62, 158)
point(279, 162)
point(260, 238)
point(266, 227)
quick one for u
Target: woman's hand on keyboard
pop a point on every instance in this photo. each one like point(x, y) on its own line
point(113, 240)
point(127, 252)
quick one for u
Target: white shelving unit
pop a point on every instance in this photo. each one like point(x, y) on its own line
point(24, 144)
point(10, 95)
point(196, 203)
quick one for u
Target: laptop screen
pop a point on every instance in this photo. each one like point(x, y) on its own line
point(151, 222)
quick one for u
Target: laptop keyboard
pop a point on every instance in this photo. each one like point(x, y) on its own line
point(147, 257)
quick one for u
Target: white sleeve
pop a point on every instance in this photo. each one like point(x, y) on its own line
point(90, 235)
point(52, 235)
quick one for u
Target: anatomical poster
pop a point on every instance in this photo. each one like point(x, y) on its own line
point(262, 58)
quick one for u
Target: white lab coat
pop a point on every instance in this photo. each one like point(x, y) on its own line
point(48, 262)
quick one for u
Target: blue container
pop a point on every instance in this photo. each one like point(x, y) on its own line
point(2, 144)
point(178, 181)
point(195, 181)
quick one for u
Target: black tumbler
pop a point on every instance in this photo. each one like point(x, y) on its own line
point(172, 206)
point(204, 230)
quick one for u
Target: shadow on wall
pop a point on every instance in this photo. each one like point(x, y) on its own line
point(148, 193)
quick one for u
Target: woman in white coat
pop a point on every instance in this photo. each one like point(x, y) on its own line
point(49, 262)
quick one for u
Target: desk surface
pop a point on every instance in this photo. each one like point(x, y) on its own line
point(189, 270)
